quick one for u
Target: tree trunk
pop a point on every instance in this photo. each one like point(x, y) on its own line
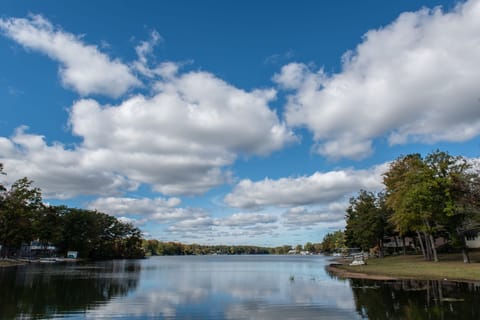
point(381, 253)
point(432, 241)
point(466, 257)
point(461, 238)
point(421, 245)
point(434, 250)
point(403, 243)
point(428, 246)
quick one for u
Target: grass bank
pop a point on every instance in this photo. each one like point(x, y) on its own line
point(449, 267)
point(10, 263)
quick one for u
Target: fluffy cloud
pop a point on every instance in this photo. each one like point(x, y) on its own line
point(83, 67)
point(120, 206)
point(195, 225)
point(413, 80)
point(246, 220)
point(307, 190)
point(243, 227)
point(156, 211)
point(60, 172)
point(144, 50)
point(251, 222)
point(179, 140)
point(303, 217)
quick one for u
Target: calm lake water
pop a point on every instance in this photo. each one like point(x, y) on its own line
point(223, 287)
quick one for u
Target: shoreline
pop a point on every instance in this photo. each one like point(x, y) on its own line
point(5, 263)
point(408, 267)
point(348, 274)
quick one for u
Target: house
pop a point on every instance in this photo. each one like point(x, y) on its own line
point(72, 254)
point(472, 240)
point(397, 242)
point(37, 249)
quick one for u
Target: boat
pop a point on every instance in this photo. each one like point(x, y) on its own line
point(47, 260)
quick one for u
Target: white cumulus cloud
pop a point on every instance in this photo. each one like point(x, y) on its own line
point(82, 67)
point(304, 217)
point(414, 80)
point(180, 140)
point(246, 220)
point(318, 188)
point(59, 171)
point(123, 206)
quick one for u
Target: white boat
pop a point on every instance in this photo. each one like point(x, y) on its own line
point(47, 260)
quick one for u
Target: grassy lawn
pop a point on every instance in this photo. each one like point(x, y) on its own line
point(5, 263)
point(8, 263)
point(449, 267)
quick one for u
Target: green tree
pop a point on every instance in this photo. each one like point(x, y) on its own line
point(48, 225)
point(432, 195)
point(334, 242)
point(411, 193)
point(367, 222)
point(2, 187)
point(79, 231)
point(457, 190)
point(100, 236)
point(309, 247)
point(19, 207)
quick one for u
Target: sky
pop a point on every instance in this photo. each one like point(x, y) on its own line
point(232, 122)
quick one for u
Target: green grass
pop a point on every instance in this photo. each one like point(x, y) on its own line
point(449, 267)
point(7, 263)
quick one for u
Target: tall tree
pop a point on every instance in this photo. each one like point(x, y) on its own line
point(367, 222)
point(411, 192)
point(334, 241)
point(48, 225)
point(438, 193)
point(458, 197)
point(19, 207)
point(2, 187)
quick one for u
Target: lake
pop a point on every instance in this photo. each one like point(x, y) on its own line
point(223, 287)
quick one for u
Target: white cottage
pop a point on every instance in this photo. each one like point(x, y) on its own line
point(472, 240)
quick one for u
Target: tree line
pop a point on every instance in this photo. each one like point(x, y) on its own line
point(24, 218)
point(425, 198)
point(158, 248)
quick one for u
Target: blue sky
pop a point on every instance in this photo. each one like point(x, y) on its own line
point(232, 122)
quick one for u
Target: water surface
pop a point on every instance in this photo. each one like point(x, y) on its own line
point(223, 287)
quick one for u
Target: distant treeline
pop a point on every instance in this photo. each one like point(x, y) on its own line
point(159, 248)
point(24, 217)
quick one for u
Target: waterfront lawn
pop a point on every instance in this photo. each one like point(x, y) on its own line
point(7, 263)
point(449, 267)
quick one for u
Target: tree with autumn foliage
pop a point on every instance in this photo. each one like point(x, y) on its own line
point(438, 193)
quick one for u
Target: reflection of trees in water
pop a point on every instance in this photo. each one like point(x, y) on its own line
point(42, 291)
point(416, 299)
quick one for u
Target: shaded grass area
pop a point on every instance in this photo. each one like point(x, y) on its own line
point(449, 267)
point(9, 263)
